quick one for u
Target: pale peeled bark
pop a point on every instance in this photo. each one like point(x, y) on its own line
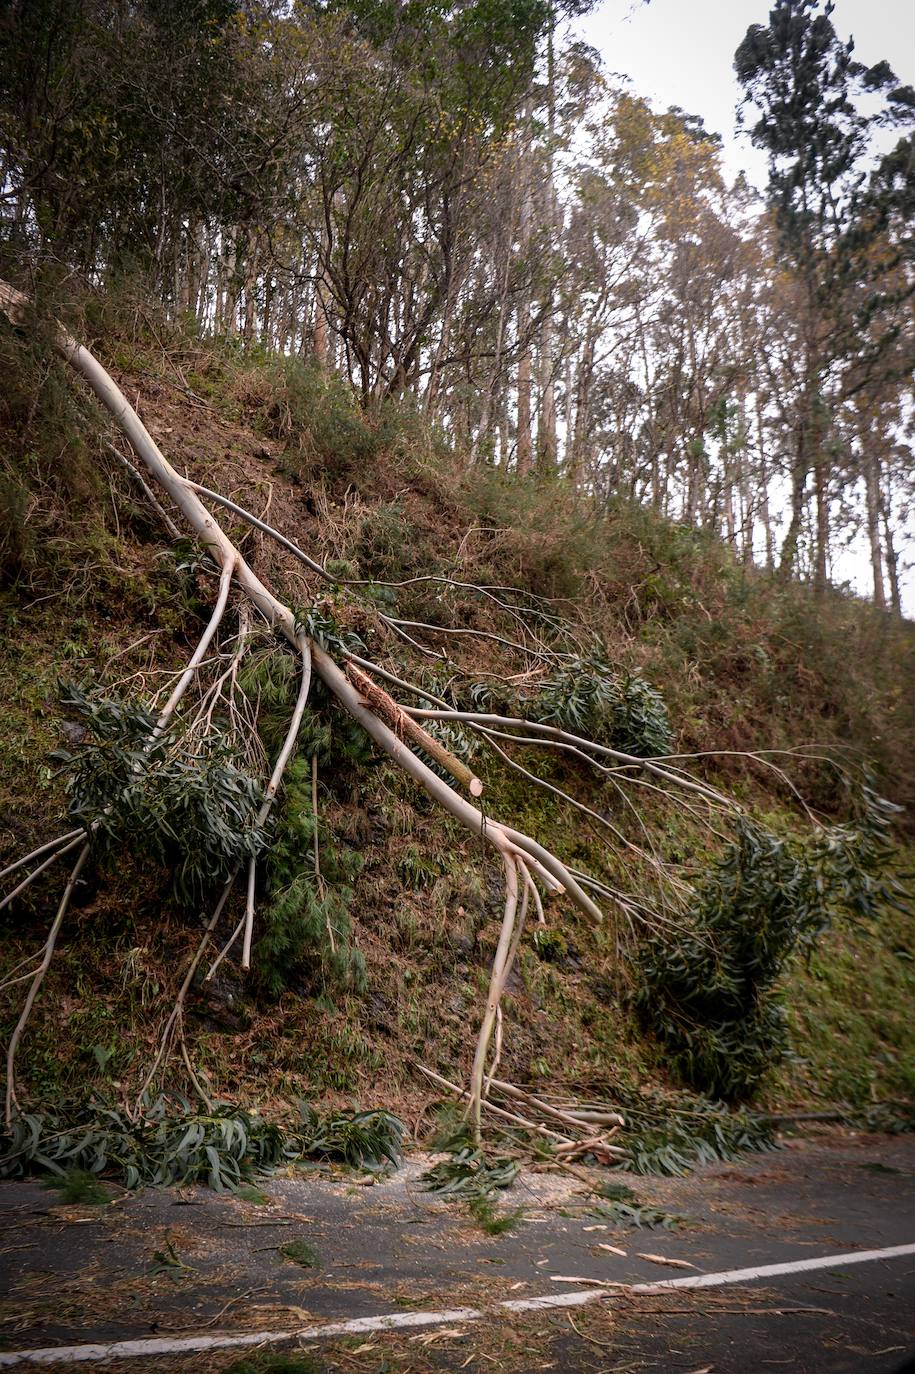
point(508, 843)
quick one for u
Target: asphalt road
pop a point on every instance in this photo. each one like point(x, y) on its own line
point(176, 1266)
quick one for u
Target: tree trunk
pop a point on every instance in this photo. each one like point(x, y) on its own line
point(546, 432)
point(763, 482)
point(872, 493)
point(799, 471)
point(892, 557)
point(821, 481)
point(524, 448)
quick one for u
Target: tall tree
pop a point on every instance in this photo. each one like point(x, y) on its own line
point(819, 111)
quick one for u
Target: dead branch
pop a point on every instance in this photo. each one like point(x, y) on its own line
point(38, 979)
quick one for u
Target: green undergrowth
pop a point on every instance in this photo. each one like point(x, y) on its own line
point(848, 1004)
point(377, 955)
point(710, 991)
point(623, 1208)
point(276, 1364)
point(469, 1173)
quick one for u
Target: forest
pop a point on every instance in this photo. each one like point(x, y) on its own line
point(457, 209)
point(416, 456)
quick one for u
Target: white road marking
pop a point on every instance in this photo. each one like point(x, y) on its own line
point(123, 1350)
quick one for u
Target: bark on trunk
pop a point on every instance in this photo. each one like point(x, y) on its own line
point(872, 493)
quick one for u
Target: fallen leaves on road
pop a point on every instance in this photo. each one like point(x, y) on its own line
point(429, 1337)
point(611, 1249)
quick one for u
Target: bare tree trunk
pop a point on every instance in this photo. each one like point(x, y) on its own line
point(524, 448)
point(763, 481)
point(821, 484)
point(872, 493)
point(892, 557)
point(582, 411)
point(546, 431)
point(569, 414)
point(250, 295)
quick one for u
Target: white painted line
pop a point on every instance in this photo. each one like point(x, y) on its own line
point(178, 1345)
point(767, 1271)
point(122, 1350)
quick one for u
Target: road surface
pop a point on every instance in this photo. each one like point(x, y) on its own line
point(801, 1260)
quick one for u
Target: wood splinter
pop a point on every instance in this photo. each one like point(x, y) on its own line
point(378, 700)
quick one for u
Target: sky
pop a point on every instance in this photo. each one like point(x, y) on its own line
point(681, 52)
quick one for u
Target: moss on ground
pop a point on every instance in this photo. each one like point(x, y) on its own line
point(850, 1011)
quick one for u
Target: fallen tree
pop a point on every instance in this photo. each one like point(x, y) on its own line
point(177, 736)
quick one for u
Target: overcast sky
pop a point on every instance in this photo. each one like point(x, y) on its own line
point(681, 52)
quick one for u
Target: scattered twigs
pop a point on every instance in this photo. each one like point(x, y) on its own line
point(37, 980)
point(247, 922)
point(181, 686)
point(204, 1097)
point(569, 1116)
point(578, 1136)
point(263, 527)
point(42, 849)
point(548, 656)
point(533, 727)
point(148, 492)
point(463, 1095)
point(36, 872)
point(175, 1020)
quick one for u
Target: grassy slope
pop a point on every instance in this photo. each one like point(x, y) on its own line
point(743, 664)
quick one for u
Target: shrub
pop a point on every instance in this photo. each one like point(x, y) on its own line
point(623, 712)
point(172, 1143)
point(306, 925)
point(316, 415)
point(192, 812)
point(708, 993)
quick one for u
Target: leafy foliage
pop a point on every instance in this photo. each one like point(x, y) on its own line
point(317, 417)
point(192, 812)
point(493, 1222)
point(624, 1209)
point(368, 1140)
point(307, 920)
point(78, 1185)
point(164, 1145)
point(276, 1364)
point(623, 712)
point(679, 1143)
point(301, 1253)
point(708, 993)
point(470, 1174)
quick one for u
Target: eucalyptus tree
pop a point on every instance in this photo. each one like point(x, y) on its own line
point(843, 212)
point(419, 100)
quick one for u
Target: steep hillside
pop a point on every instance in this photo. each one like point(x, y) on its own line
point(98, 597)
